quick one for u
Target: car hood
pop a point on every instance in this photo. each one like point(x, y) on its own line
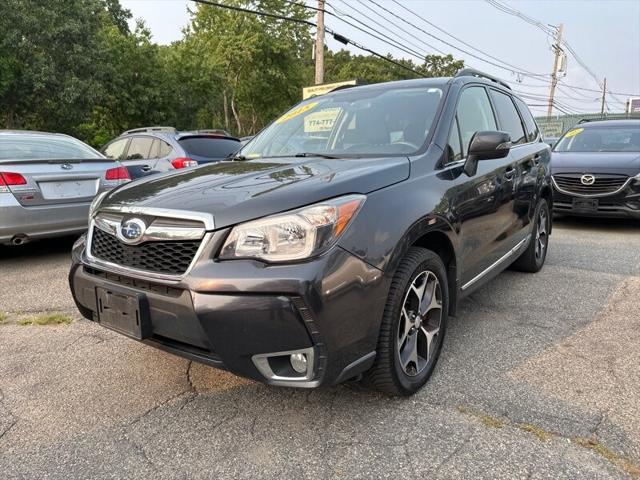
point(237, 191)
point(627, 163)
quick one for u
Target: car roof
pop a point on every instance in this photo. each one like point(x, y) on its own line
point(610, 123)
point(175, 135)
point(424, 82)
point(182, 135)
point(32, 133)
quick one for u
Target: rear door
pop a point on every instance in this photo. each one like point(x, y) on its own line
point(538, 155)
point(517, 185)
point(52, 169)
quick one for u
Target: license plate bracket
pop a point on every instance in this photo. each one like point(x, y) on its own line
point(585, 204)
point(123, 312)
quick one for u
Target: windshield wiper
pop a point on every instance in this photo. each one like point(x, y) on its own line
point(313, 154)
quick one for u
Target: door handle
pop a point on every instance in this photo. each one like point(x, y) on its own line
point(146, 168)
point(509, 173)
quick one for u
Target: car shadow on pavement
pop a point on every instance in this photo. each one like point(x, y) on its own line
point(593, 223)
point(49, 246)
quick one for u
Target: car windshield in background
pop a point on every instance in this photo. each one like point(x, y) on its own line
point(600, 139)
point(352, 123)
point(43, 147)
point(209, 147)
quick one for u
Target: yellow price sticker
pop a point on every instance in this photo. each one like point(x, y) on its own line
point(296, 111)
point(573, 133)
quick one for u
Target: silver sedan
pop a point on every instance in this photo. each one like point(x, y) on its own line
point(47, 183)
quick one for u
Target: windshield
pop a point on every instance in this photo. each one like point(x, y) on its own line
point(43, 147)
point(600, 139)
point(351, 123)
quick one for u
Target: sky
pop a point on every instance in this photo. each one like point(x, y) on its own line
point(604, 33)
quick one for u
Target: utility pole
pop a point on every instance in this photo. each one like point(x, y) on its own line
point(604, 92)
point(320, 44)
point(556, 65)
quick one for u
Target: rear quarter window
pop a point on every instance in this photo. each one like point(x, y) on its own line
point(43, 147)
point(530, 124)
point(209, 147)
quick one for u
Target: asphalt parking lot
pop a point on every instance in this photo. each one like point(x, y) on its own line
point(539, 378)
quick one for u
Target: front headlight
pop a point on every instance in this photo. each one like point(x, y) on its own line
point(96, 203)
point(294, 235)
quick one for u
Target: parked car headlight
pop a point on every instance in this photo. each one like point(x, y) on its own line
point(95, 204)
point(294, 235)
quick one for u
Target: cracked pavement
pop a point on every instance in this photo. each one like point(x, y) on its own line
point(532, 366)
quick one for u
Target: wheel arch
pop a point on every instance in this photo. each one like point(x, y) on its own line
point(437, 235)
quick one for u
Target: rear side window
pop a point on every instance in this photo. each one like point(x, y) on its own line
point(43, 147)
point(165, 149)
point(474, 114)
point(116, 149)
point(529, 123)
point(139, 148)
point(209, 147)
point(510, 121)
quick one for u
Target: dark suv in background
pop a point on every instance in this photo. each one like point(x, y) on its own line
point(336, 243)
point(149, 150)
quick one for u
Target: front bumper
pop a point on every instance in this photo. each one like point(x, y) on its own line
point(234, 314)
point(40, 221)
point(622, 204)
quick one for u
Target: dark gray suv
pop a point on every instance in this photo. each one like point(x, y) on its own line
point(150, 150)
point(336, 244)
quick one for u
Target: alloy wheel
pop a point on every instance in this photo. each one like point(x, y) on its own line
point(419, 325)
point(541, 234)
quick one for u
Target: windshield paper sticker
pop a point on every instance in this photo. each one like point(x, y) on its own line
point(573, 133)
point(296, 111)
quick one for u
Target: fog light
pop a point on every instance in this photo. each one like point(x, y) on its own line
point(299, 362)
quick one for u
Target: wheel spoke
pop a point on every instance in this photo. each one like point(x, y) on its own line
point(429, 337)
point(419, 291)
point(404, 329)
point(410, 352)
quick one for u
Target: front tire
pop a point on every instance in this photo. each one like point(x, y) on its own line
point(533, 258)
point(413, 325)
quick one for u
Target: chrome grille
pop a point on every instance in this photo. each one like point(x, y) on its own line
point(603, 185)
point(171, 258)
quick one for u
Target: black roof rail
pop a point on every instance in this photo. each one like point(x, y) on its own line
point(150, 129)
point(472, 72)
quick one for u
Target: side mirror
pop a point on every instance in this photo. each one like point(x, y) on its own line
point(486, 146)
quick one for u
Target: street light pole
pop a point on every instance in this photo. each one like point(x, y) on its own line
point(320, 44)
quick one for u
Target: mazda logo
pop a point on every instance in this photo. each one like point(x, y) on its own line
point(132, 230)
point(587, 179)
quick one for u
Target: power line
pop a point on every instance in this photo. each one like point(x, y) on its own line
point(548, 30)
point(338, 37)
point(395, 25)
point(516, 68)
point(391, 41)
point(523, 72)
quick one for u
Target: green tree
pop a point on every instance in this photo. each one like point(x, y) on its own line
point(254, 64)
point(47, 61)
